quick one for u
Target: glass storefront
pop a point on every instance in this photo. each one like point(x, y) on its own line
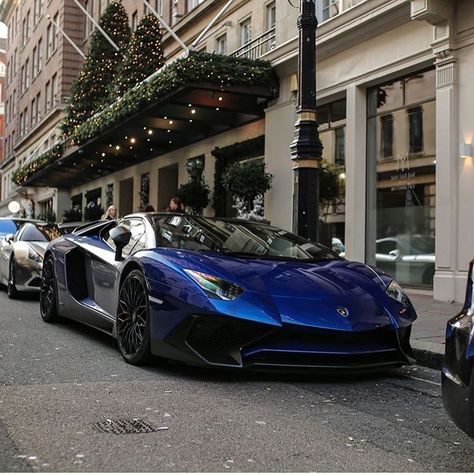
point(401, 178)
point(332, 128)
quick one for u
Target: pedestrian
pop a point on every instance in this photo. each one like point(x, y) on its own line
point(175, 205)
point(110, 214)
point(149, 208)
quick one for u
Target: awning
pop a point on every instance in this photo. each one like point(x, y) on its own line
point(188, 115)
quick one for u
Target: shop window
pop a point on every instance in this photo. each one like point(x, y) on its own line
point(401, 181)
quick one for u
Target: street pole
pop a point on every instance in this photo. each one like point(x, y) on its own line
point(306, 148)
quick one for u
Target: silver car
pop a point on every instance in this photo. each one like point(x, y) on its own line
point(21, 257)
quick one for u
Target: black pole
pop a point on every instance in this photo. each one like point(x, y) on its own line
point(306, 149)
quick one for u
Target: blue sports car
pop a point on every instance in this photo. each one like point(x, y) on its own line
point(225, 293)
point(458, 368)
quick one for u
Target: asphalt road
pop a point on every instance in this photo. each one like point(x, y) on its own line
point(58, 381)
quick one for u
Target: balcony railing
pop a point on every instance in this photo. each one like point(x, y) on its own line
point(257, 47)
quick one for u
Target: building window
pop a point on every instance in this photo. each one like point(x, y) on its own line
point(415, 120)
point(221, 44)
point(39, 61)
point(24, 32)
point(32, 112)
point(89, 4)
point(245, 32)
point(22, 79)
point(37, 10)
point(49, 41)
point(159, 7)
point(47, 96)
point(27, 74)
point(330, 8)
point(386, 140)
point(54, 90)
point(271, 15)
point(401, 154)
point(332, 124)
point(38, 106)
point(340, 147)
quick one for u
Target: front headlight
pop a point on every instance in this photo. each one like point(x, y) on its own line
point(34, 256)
point(395, 291)
point(216, 287)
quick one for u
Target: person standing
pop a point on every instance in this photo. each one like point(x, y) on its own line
point(110, 214)
point(176, 205)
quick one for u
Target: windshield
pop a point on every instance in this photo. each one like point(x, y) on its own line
point(7, 227)
point(243, 239)
point(39, 233)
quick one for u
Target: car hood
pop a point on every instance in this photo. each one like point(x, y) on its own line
point(335, 294)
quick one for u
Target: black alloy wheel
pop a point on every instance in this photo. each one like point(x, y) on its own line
point(48, 303)
point(133, 319)
point(12, 292)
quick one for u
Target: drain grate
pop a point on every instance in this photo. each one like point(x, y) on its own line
point(124, 426)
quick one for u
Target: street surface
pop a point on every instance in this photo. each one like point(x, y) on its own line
point(58, 381)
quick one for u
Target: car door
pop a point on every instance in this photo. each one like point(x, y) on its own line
point(106, 276)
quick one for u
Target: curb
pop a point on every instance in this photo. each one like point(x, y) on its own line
point(430, 359)
point(428, 354)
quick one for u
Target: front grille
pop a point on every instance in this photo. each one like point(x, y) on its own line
point(304, 359)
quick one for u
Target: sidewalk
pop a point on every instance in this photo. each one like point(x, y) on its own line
point(429, 329)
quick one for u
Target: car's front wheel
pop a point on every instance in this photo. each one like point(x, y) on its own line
point(48, 303)
point(133, 319)
point(12, 292)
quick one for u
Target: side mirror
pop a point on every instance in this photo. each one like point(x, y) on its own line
point(121, 237)
point(395, 253)
point(9, 238)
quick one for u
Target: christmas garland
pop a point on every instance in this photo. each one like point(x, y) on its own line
point(21, 175)
point(199, 67)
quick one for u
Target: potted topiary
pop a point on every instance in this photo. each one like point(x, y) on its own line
point(247, 182)
point(195, 196)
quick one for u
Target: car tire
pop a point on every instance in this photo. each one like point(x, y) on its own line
point(48, 292)
point(133, 319)
point(12, 292)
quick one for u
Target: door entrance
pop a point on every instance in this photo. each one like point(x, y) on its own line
point(167, 185)
point(126, 197)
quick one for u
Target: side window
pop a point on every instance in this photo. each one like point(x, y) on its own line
point(138, 238)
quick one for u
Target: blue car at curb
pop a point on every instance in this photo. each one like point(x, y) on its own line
point(458, 367)
point(225, 293)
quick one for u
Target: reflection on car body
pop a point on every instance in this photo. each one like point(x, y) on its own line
point(408, 258)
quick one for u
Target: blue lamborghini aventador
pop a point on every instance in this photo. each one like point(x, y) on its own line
point(225, 293)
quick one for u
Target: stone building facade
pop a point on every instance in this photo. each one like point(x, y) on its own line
point(395, 81)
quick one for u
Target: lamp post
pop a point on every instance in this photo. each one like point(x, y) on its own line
point(306, 148)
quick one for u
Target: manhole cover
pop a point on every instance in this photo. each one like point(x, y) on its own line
point(123, 426)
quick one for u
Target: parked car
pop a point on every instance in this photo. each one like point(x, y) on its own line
point(9, 225)
point(21, 256)
point(458, 367)
point(225, 293)
point(408, 258)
